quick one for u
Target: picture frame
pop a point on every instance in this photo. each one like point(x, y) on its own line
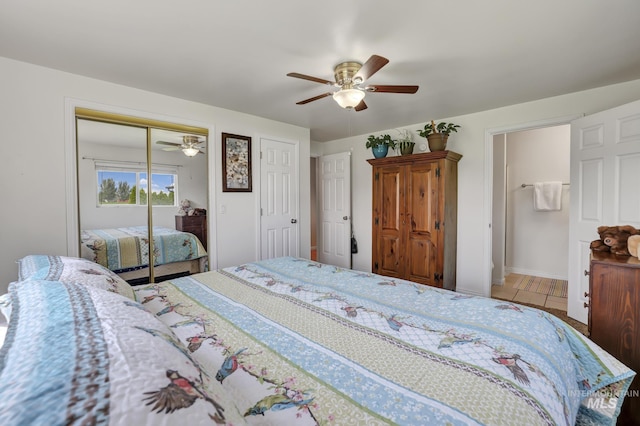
point(236, 163)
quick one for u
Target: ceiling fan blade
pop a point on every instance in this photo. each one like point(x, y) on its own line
point(391, 89)
point(361, 106)
point(168, 143)
point(177, 148)
point(315, 98)
point(372, 66)
point(310, 78)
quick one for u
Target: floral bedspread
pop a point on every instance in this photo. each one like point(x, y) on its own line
point(122, 249)
point(293, 341)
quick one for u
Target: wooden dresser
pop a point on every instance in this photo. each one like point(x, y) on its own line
point(614, 318)
point(415, 217)
point(197, 225)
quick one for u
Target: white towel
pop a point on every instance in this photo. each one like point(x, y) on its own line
point(547, 196)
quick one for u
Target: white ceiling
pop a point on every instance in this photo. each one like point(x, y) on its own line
point(465, 55)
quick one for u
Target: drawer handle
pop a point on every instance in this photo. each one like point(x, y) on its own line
point(586, 273)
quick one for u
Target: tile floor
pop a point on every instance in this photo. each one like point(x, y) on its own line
point(507, 292)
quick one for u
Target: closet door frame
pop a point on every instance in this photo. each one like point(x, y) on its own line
point(145, 118)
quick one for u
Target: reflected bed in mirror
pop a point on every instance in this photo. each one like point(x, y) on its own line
point(125, 251)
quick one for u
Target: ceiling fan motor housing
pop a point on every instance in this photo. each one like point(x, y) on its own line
point(345, 72)
point(190, 140)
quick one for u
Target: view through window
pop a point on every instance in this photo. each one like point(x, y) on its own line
point(119, 186)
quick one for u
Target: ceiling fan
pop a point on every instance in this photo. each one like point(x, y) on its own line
point(189, 146)
point(349, 78)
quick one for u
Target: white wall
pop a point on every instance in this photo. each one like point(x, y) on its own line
point(537, 242)
point(32, 153)
point(473, 264)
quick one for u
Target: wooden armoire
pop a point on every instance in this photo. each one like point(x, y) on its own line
point(415, 217)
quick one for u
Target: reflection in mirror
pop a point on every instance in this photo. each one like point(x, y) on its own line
point(179, 164)
point(115, 189)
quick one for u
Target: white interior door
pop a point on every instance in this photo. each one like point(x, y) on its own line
point(334, 210)
point(605, 172)
point(278, 199)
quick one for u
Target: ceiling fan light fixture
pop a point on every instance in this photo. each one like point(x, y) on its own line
point(190, 151)
point(348, 98)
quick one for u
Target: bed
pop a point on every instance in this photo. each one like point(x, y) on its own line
point(126, 251)
point(289, 341)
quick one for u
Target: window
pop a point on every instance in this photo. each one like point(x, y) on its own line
point(128, 185)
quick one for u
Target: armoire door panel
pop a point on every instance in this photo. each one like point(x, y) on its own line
point(390, 196)
point(422, 198)
point(391, 259)
point(421, 259)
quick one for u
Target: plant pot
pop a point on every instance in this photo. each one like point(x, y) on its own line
point(407, 148)
point(437, 141)
point(380, 151)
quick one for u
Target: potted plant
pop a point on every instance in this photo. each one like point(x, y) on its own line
point(380, 145)
point(437, 135)
point(405, 142)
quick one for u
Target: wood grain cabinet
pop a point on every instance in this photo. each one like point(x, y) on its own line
point(197, 225)
point(614, 318)
point(415, 217)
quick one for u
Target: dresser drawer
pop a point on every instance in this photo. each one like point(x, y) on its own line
point(196, 225)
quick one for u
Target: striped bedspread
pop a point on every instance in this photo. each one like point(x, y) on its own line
point(290, 341)
point(299, 342)
point(123, 249)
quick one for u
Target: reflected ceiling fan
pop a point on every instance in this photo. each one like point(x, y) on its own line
point(350, 78)
point(189, 146)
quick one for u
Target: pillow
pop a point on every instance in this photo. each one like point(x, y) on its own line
point(72, 269)
point(80, 355)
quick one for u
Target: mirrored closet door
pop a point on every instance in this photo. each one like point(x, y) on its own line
point(142, 195)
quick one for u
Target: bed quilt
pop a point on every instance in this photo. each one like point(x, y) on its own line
point(124, 249)
point(80, 355)
point(293, 341)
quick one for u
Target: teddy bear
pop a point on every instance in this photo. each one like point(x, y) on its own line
point(633, 245)
point(614, 239)
point(185, 208)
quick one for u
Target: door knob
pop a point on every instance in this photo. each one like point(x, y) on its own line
point(345, 217)
point(294, 220)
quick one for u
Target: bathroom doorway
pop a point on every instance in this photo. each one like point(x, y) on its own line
point(530, 247)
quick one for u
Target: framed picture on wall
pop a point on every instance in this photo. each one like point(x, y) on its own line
point(236, 163)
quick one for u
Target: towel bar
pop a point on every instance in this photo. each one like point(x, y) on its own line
point(530, 184)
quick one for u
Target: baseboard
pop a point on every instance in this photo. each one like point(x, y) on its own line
point(499, 282)
point(469, 292)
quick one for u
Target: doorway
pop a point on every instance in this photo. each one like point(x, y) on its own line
point(528, 249)
point(279, 207)
point(314, 207)
point(333, 207)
